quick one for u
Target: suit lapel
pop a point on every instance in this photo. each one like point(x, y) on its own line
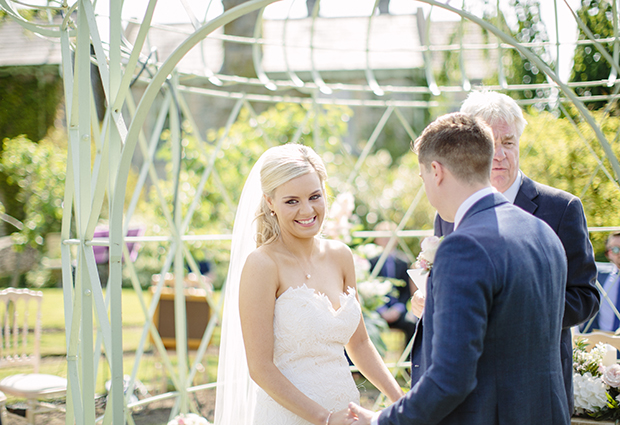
point(526, 196)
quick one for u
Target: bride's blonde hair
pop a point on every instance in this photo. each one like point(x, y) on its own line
point(280, 165)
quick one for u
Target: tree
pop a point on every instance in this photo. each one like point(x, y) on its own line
point(589, 63)
point(30, 98)
point(552, 153)
point(530, 29)
point(238, 56)
point(37, 171)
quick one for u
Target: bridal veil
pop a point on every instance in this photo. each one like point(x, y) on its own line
point(236, 392)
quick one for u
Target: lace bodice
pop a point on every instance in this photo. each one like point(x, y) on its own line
point(309, 339)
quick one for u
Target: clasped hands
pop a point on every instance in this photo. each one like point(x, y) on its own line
point(355, 414)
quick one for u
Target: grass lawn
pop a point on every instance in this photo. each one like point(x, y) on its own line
point(151, 371)
point(53, 342)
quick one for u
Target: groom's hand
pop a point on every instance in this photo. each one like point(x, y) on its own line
point(342, 417)
point(417, 303)
point(364, 416)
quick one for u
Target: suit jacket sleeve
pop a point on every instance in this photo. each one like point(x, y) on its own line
point(582, 297)
point(462, 289)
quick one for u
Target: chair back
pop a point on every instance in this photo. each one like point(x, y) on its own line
point(596, 337)
point(20, 334)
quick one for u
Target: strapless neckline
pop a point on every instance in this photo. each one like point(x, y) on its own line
point(344, 297)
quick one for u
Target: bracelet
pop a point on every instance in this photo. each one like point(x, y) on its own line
point(327, 420)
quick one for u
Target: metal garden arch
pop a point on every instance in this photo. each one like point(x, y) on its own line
point(115, 143)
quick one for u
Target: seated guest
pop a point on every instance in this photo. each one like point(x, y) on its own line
point(606, 319)
point(394, 312)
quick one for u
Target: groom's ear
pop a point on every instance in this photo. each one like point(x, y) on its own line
point(437, 172)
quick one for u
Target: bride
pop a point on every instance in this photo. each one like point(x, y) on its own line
point(292, 296)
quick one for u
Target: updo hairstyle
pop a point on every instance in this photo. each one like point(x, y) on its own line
point(280, 165)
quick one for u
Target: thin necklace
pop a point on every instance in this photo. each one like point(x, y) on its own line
point(306, 275)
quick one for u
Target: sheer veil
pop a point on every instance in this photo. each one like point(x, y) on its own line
point(235, 397)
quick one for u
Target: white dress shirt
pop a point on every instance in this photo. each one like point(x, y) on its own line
point(511, 192)
point(606, 314)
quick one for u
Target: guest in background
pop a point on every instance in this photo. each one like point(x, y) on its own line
point(606, 319)
point(394, 312)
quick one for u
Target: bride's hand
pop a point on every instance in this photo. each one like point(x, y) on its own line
point(341, 417)
point(417, 303)
point(363, 416)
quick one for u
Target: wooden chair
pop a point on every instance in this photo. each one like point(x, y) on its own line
point(20, 347)
point(598, 336)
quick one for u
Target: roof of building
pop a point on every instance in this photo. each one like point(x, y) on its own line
point(20, 47)
point(385, 42)
point(208, 54)
point(338, 44)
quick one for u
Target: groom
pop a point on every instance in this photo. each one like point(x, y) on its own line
point(490, 350)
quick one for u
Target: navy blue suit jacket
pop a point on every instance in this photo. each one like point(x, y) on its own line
point(563, 212)
point(483, 357)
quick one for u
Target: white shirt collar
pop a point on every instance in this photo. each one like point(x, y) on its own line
point(469, 202)
point(511, 192)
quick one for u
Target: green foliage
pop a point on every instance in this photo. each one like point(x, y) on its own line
point(30, 98)
point(383, 189)
point(247, 139)
point(530, 29)
point(553, 153)
point(38, 173)
point(589, 64)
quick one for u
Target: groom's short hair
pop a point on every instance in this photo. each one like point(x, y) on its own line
point(460, 142)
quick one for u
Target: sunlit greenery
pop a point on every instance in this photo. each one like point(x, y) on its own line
point(555, 153)
point(37, 170)
point(589, 62)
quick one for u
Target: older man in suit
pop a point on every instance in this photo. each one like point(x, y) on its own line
point(483, 358)
point(560, 210)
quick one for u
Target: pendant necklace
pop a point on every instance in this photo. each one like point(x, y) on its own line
point(306, 275)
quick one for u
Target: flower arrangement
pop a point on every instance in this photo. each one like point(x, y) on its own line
point(372, 293)
point(596, 381)
point(189, 419)
point(338, 223)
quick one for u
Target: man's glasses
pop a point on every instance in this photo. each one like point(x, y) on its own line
point(614, 249)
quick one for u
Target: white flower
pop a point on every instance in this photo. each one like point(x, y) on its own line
point(188, 419)
point(338, 225)
point(590, 392)
point(369, 250)
point(374, 288)
point(611, 375)
point(426, 258)
point(362, 265)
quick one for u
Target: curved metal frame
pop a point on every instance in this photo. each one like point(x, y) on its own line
point(116, 143)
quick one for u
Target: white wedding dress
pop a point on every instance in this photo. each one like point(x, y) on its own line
point(309, 339)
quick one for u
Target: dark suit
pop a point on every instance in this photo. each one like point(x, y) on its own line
point(398, 270)
point(563, 212)
point(484, 358)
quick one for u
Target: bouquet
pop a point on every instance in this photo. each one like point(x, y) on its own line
point(596, 381)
